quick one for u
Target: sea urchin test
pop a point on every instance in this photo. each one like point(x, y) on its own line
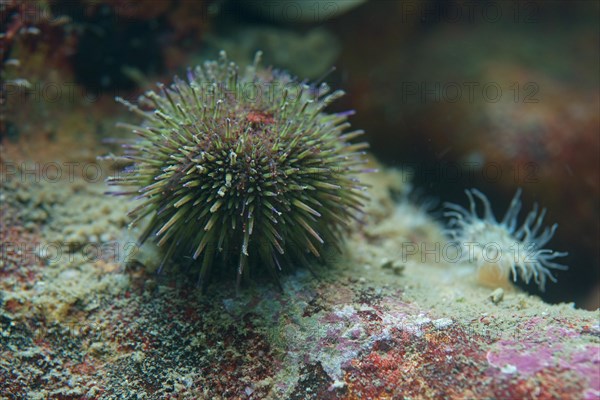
point(240, 170)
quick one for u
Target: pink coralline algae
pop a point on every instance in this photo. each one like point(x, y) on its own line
point(542, 350)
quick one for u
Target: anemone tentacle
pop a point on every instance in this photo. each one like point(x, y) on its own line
point(519, 248)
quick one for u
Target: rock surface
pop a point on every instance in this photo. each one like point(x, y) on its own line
point(389, 318)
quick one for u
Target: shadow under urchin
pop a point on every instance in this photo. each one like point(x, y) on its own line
point(241, 170)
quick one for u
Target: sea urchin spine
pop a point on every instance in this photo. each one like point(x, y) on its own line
point(238, 169)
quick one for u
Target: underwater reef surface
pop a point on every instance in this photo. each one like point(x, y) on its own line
point(376, 324)
point(84, 315)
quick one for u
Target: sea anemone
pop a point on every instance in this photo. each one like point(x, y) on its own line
point(240, 169)
point(504, 246)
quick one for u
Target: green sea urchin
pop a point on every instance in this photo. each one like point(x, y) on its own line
point(238, 169)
